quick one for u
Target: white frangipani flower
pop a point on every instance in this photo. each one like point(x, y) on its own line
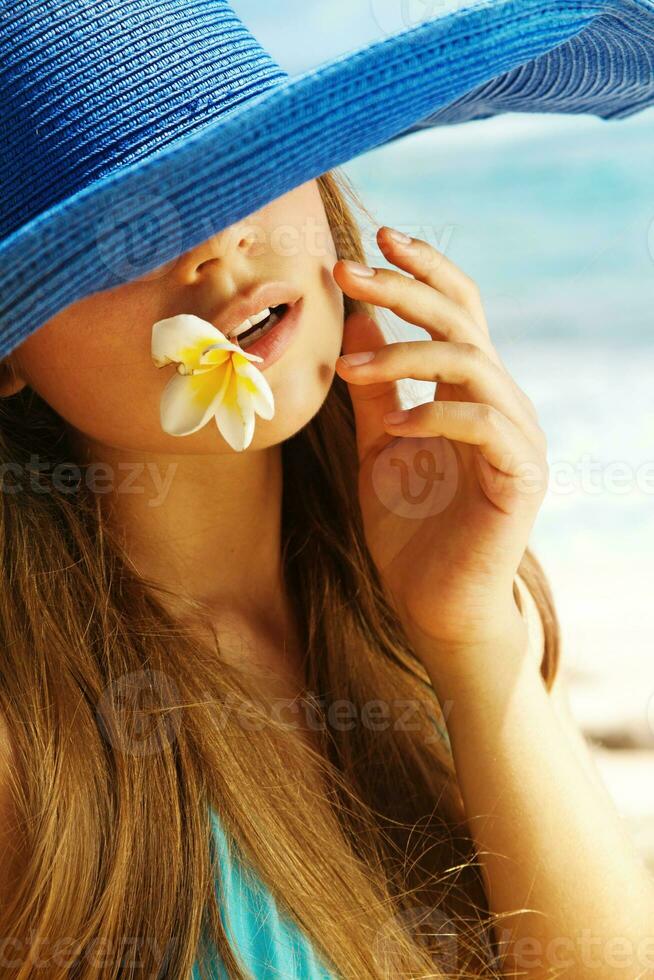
point(215, 379)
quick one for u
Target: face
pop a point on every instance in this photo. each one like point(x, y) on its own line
point(92, 364)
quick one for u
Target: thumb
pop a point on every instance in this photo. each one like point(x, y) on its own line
point(369, 401)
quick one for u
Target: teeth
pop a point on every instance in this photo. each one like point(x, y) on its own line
point(258, 317)
point(251, 321)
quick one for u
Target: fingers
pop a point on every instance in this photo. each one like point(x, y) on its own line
point(444, 301)
point(522, 468)
point(462, 364)
point(369, 402)
point(411, 300)
point(437, 296)
point(430, 266)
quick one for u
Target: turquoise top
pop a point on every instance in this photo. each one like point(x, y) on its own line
point(272, 946)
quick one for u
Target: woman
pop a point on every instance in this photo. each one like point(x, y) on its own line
point(265, 639)
point(279, 699)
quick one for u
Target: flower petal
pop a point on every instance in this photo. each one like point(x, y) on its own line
point(189, 402)
point(246, 354)
point(255, 382)
point(183, 339)
point(214, 355)
point(215, 377)
point(235, 415)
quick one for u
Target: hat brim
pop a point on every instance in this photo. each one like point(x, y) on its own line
point(493, 56)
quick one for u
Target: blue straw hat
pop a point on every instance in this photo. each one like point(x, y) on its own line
point(132, 130)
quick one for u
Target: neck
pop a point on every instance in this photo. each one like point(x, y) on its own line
point(204, 527)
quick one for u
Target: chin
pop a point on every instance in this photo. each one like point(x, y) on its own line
point(297, 400)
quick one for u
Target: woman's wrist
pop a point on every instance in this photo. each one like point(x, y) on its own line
point(465, 662)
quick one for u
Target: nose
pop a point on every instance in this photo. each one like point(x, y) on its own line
point(223, 253)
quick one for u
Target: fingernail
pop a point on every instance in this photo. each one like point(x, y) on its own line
point(357, 269)
point(399, 236)
point(360, 357)
point(393, 418)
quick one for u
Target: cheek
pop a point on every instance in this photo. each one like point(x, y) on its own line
point(98, 387)
point(302, 380)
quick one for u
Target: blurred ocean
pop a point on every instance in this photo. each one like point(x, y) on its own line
point(553, 216)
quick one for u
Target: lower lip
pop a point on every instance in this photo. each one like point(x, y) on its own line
point(272, 345)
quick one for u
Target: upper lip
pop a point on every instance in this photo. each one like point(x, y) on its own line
point(253, 300)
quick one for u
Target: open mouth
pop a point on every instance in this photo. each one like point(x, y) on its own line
point(249, 336)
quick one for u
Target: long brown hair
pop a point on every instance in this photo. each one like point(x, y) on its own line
point(121, 741)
